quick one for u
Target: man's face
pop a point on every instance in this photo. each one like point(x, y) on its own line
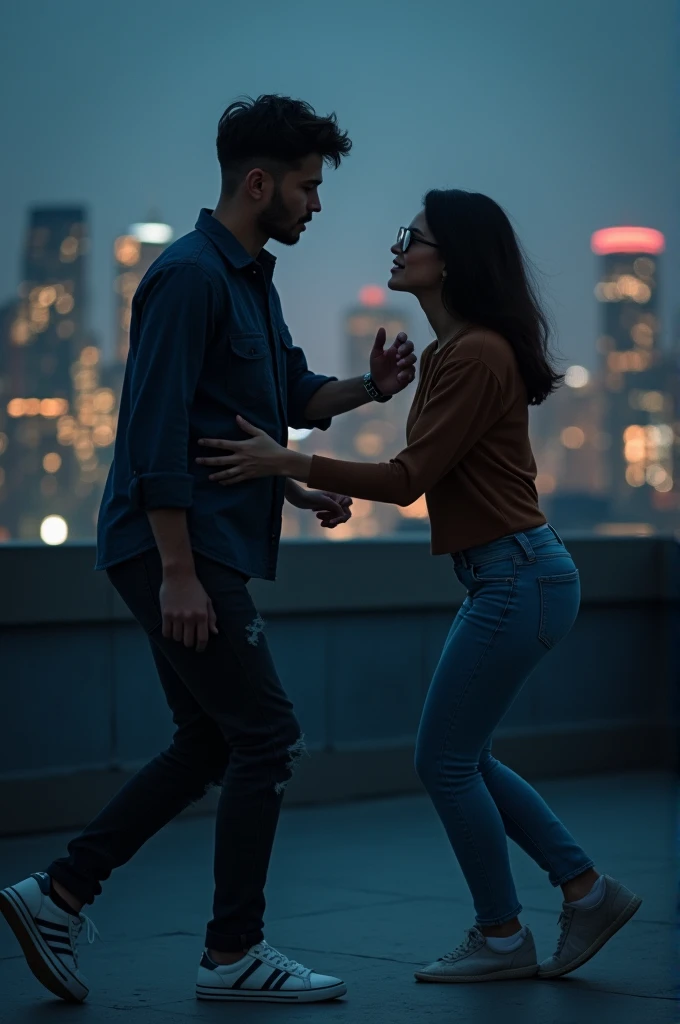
point(294, 201)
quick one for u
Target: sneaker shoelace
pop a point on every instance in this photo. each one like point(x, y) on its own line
point(277, 959)
point(470, 941)
point(563, 922)
point(91, 933)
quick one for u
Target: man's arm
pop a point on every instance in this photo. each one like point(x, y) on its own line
point(188, 613)
point(392, 370)
point(176, 320)
point(293, 492)
point(336, 397)
point(171, 533)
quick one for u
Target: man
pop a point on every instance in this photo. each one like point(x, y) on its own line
point(208, 341)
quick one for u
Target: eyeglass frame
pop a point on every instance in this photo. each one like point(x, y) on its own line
point(406, 235)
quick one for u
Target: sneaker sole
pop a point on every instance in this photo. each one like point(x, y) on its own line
point(226, 995)
point(514, 973)
point(46, 967)
point(616, 925)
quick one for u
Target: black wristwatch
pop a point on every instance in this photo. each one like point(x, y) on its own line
point(372, 390)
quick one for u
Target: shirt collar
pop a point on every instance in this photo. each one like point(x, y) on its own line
point(229, 245)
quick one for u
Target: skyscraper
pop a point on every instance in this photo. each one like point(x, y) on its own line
point(637, 409)
point(59, 418)
point(45, 335)
point(134, 253)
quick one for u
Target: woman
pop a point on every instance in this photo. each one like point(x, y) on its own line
point(468, 451)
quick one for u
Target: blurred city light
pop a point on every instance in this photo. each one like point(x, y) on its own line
point(545, 483)
point(369, 444)
point(152, 233)
point(52, 462)
point(126, 249)
point(572, 437)
point(576, 377)
point(298, 434)
point(53, 530)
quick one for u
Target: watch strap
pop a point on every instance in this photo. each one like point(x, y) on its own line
point(373, 392)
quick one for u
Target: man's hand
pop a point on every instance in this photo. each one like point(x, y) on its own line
point(394, 369)
point(188, 613)
point(331, 509)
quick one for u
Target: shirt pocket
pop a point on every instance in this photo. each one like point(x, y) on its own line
point(250, 370)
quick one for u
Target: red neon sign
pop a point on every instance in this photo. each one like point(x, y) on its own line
point(372, 295)
point(627, 239)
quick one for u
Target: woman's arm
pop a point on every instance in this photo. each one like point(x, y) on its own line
point(464, 403)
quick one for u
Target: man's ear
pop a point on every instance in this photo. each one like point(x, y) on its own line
point(256, 183)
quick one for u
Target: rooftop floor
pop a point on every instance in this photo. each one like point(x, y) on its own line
point(368, 891)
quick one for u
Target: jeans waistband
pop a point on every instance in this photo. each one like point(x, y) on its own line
point(526, 541)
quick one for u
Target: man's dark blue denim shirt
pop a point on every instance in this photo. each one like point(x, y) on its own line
point(207, 341)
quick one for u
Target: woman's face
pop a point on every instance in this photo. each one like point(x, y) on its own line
point(420, 268)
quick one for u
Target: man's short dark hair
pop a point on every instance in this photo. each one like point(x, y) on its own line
point(276, 129)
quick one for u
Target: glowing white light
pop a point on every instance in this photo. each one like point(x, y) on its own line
point(53, 530)
point(298, 435)
point(576, 377)
point(154, 234)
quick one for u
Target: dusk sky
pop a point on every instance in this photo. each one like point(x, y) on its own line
point(566, 112)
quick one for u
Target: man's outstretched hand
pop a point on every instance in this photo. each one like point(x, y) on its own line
point(331, 509)
point(392, 369)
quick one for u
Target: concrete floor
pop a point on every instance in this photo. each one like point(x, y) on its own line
point(368, 891)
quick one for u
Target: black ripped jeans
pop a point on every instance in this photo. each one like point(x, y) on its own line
point(234, 727)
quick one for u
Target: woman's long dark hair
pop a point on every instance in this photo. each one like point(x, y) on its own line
point(488, 281)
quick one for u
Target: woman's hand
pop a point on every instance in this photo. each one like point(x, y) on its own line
point(259, 456)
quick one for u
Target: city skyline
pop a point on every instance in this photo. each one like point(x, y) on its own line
point(607, 445)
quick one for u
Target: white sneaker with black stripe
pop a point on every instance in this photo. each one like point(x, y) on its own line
point(48, 936)
point(265, 976)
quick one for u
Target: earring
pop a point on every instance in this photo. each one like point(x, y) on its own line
point(444, 274)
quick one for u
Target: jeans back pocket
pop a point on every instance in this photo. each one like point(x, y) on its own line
point(560, 600)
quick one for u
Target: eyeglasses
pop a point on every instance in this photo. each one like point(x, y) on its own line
point(405, 237)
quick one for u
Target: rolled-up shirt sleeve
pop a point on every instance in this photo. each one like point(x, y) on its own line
point(465, 402)
point(176, 319)
point(302, 385)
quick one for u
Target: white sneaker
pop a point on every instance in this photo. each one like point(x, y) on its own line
point(47, 936)
point(584, 931)
point(265, 976)
point(474, 960)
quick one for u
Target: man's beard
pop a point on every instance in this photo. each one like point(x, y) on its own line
point(275, 221)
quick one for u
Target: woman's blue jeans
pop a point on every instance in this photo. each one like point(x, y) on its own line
point(523, 598)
